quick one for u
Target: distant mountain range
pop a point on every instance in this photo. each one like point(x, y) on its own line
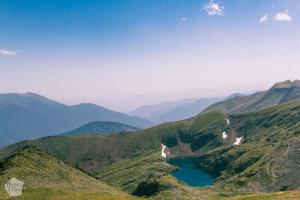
point(101, 128)
point(279, 93)
point(29, 115)
point(173, 111)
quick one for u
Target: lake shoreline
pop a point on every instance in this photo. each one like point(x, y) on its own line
point(188, 172)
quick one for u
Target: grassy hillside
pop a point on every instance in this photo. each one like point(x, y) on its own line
point(65, 194)
point(281, 92)
point(125, 173)
point(102, 127)
point(50, 179)
point(155, 182)
point(267, 159)
point(92, 152)
point(149, 176)
point(291, 195)
point(45, 176)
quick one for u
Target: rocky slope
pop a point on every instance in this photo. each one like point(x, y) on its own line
point(279, 93)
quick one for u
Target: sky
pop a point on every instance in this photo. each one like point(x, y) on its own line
point(125, 53)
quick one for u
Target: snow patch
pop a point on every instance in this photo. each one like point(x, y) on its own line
point(163, 154)
point(224, 135)
point(228, 122)
point(238, 141)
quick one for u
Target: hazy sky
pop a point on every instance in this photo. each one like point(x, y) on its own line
point(121, 53)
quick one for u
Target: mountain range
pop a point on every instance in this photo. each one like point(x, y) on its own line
point(280, 92)
point(28, 116)
point(173, 111)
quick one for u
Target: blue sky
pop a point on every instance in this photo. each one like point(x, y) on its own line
point(122, 53)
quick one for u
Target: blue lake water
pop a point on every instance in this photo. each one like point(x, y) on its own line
point(189, 173)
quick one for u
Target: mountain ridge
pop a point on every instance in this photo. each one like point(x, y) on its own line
point(28, 116)
point(173, 111)
point(101, 127)
point(279, 93)
point(43, 174)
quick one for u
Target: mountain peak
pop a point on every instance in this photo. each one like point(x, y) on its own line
point(296, 83)
point(101, 127)
point(286, 84)
point(31, 94)
point(279, 93)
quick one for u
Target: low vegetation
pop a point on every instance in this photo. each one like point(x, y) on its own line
point(267, 160)
point(46, 177)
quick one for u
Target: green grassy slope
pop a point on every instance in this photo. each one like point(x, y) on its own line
point(155, 182)
point(149, 176)
point(65, 194)
point(44, 175)
point(92, 152)
point(290, 195)
point(124, 174)
point(268, 159)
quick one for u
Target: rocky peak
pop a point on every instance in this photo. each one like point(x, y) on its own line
point(286, 84)
point(296, 83)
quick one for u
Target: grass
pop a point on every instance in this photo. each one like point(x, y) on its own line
point(269, 156)
point(266, 161)
point(291, 195)
point(129, 173)
point(64, 194)
point(92, 152)
point(151, 170)
point(43, 174)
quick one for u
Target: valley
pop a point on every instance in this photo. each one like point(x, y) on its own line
point(260, 154)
